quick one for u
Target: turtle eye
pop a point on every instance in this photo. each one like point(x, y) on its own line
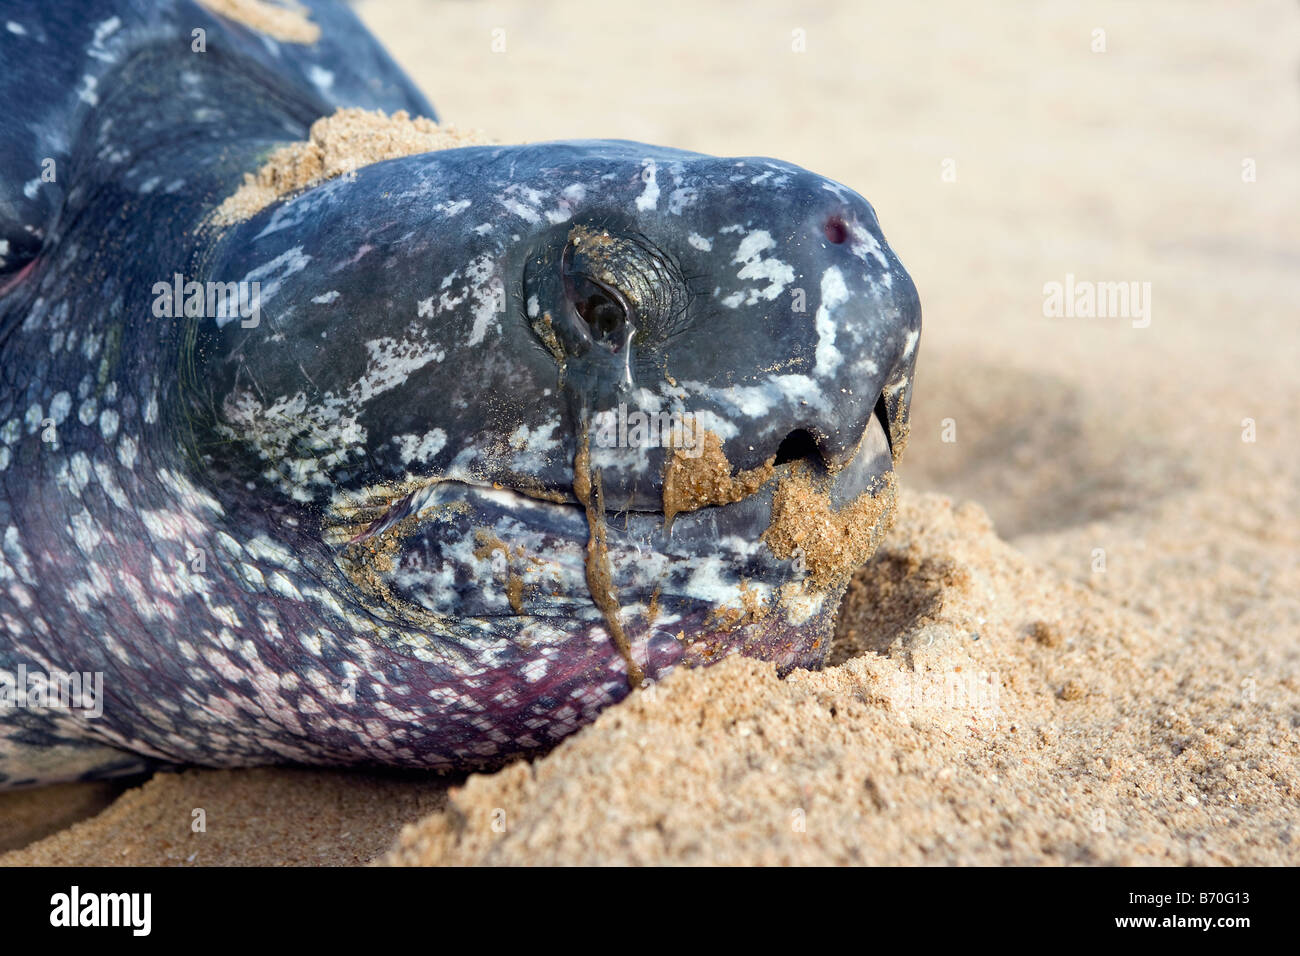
point(602, 310)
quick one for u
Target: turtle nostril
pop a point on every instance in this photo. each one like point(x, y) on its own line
point(836, 230)
point(796, 446)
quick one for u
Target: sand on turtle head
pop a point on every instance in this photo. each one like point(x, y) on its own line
point(696, 481)
point(338, 145)
point(832, 542)
point(288, 23)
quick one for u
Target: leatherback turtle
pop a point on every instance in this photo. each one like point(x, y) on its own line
point(498, 434)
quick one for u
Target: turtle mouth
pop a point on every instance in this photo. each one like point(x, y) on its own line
point(379, 509)
point(456, 548)
point(796, 454)
point(438, 493)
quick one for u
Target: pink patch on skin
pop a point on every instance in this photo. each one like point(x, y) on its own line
point(18, 277)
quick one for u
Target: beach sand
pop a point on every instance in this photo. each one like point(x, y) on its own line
point(1081, 641)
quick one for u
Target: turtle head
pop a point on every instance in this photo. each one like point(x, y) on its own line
point(500, 380)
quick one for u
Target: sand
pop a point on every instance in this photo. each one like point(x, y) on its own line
point(831, 543)
point(255, 817)
point(696, 479)
point(955, 735)
point(1080, 642)
point(284, 20)
point(339, 145)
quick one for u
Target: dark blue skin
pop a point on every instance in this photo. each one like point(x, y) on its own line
point(356, 531)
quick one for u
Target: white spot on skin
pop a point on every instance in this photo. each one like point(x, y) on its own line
point(865, 367)
point(60, 405)
point(777, 273)
point(327, 426)
point(414, 447)
point(836, 188)
point(164, 525)
point(14, 549)
point(85, 532)
point(699, 242)
point(520, 210)
point(534, 445)
point(106, 29)
point(680, 199)
point(864, 244)
point(79, 473)
point(535, 670)
point(227, 616)
point(272, 274)
point(391, 363)
point(322, 77)
point(488, 292)
point(103, 31)
point(523, 201)
point(755, 401)
point(187, 492)
point(229, 544)
point(649, 197)
point(834, 294)
point(449, 209)
point(108, 481)
point(108, 422)
point(570, 197)
point(715, 423)
point(16, 28)
point(327, 298)
point(312, 642)
point(126, 451)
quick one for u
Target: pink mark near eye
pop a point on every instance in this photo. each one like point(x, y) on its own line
point(836, 230)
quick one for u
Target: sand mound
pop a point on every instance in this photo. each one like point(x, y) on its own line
point(973, 738)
